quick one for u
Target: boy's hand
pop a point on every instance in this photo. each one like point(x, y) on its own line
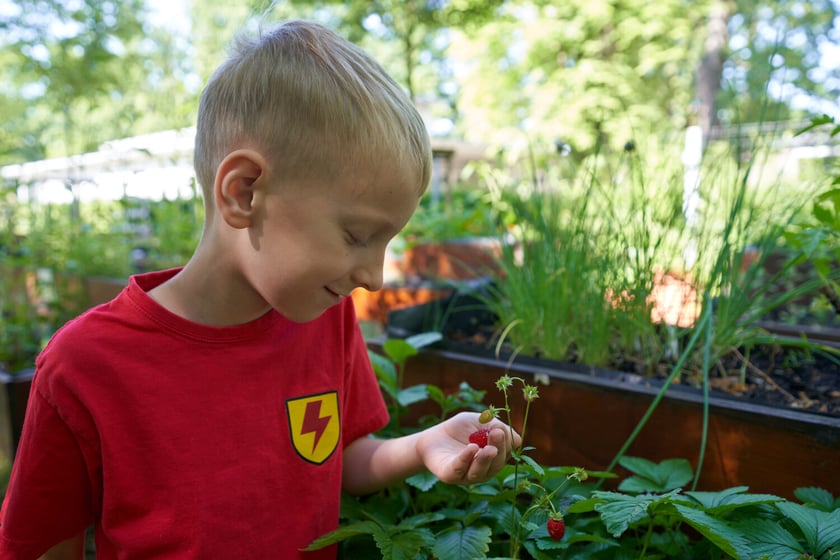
point(446, 450)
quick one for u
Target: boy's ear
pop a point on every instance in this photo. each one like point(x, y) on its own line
point(240, 179)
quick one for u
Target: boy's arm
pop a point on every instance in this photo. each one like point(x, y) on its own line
point(371, 464)
point(71, 549)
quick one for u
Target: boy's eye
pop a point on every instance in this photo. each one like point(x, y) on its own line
point(352, 239)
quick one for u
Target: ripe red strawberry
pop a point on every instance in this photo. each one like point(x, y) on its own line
point(479, 437)
point(556, 528)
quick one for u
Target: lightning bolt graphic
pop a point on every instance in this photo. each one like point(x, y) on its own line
point(313, 422)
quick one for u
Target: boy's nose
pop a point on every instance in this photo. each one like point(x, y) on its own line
point(369, 273)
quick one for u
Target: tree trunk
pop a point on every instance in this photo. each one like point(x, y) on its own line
point(710, 70)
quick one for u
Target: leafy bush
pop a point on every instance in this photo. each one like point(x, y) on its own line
point(593, 250)
point(47, 249)
point(651, 513)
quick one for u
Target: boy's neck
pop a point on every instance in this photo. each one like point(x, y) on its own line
point(206, 291)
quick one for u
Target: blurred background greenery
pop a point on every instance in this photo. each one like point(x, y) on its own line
point(652, 114)
point(576, 75)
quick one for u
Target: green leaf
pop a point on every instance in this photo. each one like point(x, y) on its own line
point(398, 350)
point(420, 519)
point(538, 470)
point(816, 497)
point(463, 543)
point(423, 481)
point(770, 539)
point(435, 393)
point(821, 120)
point(404, 545)
point(342, 533)
point(717, 503)
point(820, 529)
point(713, 499)
point(411, 395)
point(650, 477)
point(475, 511)
point(726, 538)
point(619, 511)
point(384, 368)
point(584, 506)
point(422, 340)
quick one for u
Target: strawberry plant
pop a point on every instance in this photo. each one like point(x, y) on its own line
point(531, 511)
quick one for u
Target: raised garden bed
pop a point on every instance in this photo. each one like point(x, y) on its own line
point(587, 414)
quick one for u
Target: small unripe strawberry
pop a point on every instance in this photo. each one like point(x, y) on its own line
point(479, 437)
point(486, 416)
point(556, 527)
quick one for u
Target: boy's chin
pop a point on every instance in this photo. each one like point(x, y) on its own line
point(303, 316)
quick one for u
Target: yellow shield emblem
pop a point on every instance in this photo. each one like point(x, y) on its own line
point(314, 425)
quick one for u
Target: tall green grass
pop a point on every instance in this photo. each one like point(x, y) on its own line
point(591, 245)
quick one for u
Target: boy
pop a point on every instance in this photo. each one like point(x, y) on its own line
point(218, 410)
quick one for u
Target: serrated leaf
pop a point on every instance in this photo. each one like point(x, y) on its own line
point(405, 545)
point(475, 511)
point(413, 394)
point(815, 496)
point(584, 506)
point(463, 543)
point(726, 538)
point(421, 519)
point(652, 477)
point(342, 533)
point(717, 503)
point(619, 511)
point(714, 499)
point(423, 481)
point(820, 529)
point(769, 539)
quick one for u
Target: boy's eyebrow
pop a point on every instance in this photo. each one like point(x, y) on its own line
point(374, 223)
point(379, 224)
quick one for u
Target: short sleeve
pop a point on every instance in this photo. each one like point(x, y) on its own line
point(49, 495)
point(364, 411)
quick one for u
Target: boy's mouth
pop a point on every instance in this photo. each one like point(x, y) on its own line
point(333, 293)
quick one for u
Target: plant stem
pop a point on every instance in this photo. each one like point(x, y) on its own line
point(647, 540)
point(706, 366)
point(705, 317)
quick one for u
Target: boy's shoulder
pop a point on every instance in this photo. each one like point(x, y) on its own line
point(95, 327)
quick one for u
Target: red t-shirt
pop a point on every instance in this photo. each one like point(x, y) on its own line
point(179, 440)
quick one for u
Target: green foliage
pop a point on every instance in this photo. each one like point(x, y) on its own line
point(589, 247)
point(649, 515)
point(76, 74)
point(579, 73)
point(81, 73)
point(466, 211)
point(408, 38)
point(389, 367)
point(48, 250)
point(771, 43)
point(601, 251)
point(818, 238)
point(652, 477)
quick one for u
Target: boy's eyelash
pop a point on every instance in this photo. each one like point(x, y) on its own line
point(352, 239)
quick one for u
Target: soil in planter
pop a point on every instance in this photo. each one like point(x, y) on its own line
point(794, 379)
point(770, 376)
point(774, 376)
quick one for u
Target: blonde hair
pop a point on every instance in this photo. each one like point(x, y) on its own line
point(313, 103)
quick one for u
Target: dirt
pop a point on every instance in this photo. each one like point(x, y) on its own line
point(766, 375)
point(801, 380)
